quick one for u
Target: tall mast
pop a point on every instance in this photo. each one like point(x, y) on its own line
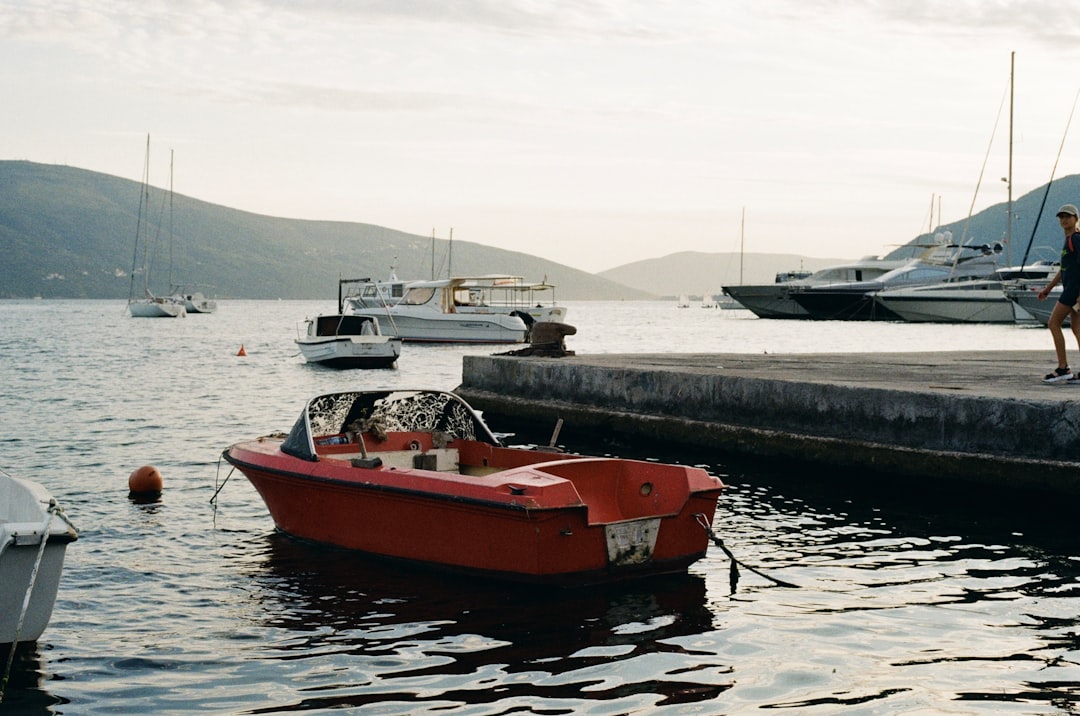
point(742, 243)
point(1008, 181)
point(170, 217)
point(147, 255)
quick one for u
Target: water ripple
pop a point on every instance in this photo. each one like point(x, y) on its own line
point(911, 598)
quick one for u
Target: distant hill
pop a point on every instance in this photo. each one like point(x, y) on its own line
point(696, 273)
point(70, 233)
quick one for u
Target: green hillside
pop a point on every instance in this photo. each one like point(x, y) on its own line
point(70, 233)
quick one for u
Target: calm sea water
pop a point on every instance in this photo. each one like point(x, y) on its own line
point(911, 599)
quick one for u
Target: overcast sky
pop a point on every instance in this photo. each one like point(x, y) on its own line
point(589, 132)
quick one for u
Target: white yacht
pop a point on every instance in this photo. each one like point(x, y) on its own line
point(968, 301)
point(465, 309)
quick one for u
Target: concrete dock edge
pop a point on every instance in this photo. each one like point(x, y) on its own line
point(981, 417)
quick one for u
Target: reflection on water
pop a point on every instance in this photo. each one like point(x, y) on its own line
point(913, 597)
point(25, 691)
point(400, 634)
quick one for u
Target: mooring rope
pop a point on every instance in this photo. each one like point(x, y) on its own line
point(53, 509)
point(213, 498)
point(735, 562)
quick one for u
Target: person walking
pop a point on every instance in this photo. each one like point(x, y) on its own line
point(1069, 278)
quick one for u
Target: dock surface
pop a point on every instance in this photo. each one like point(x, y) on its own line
point(981, 416)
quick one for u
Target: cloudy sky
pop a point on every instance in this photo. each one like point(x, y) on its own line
point(589, 132)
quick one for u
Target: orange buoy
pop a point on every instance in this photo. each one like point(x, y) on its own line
point(241, 352)
point(145, 480)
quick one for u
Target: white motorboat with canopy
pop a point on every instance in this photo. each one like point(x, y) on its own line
point(466, 309)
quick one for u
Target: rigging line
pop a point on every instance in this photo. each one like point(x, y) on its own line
point(1052, 173)
point(157, 238)
point(213, 498)
point(982, 171)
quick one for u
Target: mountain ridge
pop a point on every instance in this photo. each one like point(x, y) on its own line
point(67, 232)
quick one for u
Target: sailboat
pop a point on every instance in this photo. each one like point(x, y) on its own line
point(191, 294)
point(149, 305)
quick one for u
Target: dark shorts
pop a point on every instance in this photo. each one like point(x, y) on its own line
point(1069, 294)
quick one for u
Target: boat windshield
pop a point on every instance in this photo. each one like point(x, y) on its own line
point(379, 412)
point(418, 296)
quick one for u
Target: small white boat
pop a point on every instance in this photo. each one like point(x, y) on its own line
point(194, 301)
point(465, 309)
point(157, 307)
point(345, 340)
point(34, 534)
point(348, 341)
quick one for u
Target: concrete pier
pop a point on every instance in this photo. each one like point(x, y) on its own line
point(984, 416)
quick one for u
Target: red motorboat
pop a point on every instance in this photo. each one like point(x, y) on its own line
point(418, 476)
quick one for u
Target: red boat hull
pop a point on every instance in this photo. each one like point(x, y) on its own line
point(508, 513)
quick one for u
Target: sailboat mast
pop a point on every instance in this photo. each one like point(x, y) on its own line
point(170, 218)
point(145, 201)
point(742, 243)
point(450, 255)
point(433, 253)
point(1008, 180)
point(138, 222)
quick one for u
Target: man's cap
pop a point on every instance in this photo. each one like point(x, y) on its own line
point(1068, 210)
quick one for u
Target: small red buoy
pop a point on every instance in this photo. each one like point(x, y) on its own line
point(145, 480)
point(241, 352)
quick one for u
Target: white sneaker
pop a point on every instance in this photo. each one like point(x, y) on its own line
point(1058, 375)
